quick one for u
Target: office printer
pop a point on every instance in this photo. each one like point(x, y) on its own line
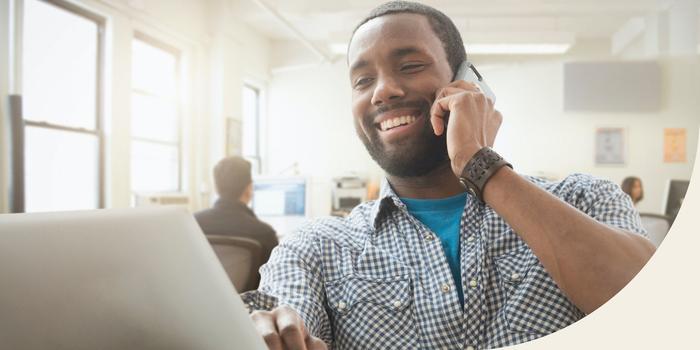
point(348, 191)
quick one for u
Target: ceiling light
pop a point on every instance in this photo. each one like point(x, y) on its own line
point(517, 49)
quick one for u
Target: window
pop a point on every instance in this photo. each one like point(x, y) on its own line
point(251, 126)
point(61, 53)
point(155, 118)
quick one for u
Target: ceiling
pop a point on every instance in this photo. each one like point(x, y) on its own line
point(325, 23)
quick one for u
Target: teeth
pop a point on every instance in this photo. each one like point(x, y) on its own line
point(394, 122)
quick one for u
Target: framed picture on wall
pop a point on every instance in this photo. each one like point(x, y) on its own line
point(674, 145)
point(610, 146)
point(234, 137)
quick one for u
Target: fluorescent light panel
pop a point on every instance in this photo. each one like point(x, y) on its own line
point(492, 49)
point(517, 49)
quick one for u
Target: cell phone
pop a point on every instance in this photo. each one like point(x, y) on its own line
point(468, 72)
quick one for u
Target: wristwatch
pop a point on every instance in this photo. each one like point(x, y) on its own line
point(479, 170)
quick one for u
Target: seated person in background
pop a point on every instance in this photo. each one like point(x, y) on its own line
point(632, 185)
point(231, 215)
point(459, 251)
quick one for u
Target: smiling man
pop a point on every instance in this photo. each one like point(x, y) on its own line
point(459, 251)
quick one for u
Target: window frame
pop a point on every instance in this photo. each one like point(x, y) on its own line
point(258, 124)
point(177, 53)
point(100, 78)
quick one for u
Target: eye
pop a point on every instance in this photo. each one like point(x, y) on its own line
point(362, 82)
point(412, 67)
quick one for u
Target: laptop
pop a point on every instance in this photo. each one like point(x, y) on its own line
point(116, 279)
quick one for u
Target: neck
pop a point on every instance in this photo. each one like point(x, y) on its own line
point(439, 183)
point(229, 200)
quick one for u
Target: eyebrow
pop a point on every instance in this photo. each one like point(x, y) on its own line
point(395, 54)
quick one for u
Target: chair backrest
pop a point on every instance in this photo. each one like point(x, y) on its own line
point(656, 225)
point(240, 257)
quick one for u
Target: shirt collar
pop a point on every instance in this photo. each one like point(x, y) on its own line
point(228, 205)
point(386, 201)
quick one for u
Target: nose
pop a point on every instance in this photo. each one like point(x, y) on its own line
point(386, 90)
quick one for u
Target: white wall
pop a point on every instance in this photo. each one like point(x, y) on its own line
point(539, 137)
point(310, 123)
point(237, 55)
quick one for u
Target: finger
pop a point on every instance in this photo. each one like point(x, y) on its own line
point(465, 85)
point(439, 110)
point(313, 343)
point(448, 90)
point(469, 86)
point(290, 328)
point(265, 325)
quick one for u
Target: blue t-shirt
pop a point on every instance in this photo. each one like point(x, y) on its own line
point(442, 216)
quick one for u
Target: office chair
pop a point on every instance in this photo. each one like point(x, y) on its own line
point(240, 257)
point(656, 225)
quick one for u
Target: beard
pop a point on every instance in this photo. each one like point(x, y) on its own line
point(412, 156)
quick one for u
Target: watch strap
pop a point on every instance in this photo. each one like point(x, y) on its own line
point(479, 170)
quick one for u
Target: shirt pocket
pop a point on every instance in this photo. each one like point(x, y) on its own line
point(356, 293)
point(372, 313)
point(532, 302)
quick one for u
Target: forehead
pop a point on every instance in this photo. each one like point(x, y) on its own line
point(383, 34)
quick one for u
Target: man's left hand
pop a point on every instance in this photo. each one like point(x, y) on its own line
point(473, 121)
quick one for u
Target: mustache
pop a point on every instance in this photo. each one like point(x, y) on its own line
point(420, 104)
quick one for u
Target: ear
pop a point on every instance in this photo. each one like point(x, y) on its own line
point(247, 194)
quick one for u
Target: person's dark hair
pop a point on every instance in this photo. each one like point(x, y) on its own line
point(627, 185)
point(442, 25)
point(231, 177)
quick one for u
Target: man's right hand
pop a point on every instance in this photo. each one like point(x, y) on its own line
point(283, 329)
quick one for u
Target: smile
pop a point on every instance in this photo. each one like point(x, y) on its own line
point(396, 122)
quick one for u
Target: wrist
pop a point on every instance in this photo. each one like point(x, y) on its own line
point(460, 161)
point(500, 177)
point(479, 170)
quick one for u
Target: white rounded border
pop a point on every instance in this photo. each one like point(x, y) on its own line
point(660, 307)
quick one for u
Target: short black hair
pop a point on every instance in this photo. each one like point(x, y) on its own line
point(442, 25)
point(231, 177)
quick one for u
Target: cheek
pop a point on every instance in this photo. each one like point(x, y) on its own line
point(360, 107)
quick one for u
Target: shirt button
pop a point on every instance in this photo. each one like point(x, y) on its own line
point(445, 287)
point(397, 303)
point(515, 276)
point(429, 237)
point(470, 348)
point(470, 238)
point(473, 283)
point(341, 305)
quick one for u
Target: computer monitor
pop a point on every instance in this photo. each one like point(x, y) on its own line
point(281, 196)
point(674, 199)
point(281, 202)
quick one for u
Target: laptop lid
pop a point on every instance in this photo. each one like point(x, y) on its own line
point(116, 279)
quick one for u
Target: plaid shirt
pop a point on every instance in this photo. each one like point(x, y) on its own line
point(379, 278)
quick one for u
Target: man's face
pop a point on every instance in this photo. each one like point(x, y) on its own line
point(397, 63)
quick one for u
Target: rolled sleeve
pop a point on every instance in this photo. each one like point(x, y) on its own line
point(292, 277)
point(604, 201)
point(614, 207)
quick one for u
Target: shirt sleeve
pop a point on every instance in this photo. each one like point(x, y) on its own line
point(292, 277)
point(607, 203)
